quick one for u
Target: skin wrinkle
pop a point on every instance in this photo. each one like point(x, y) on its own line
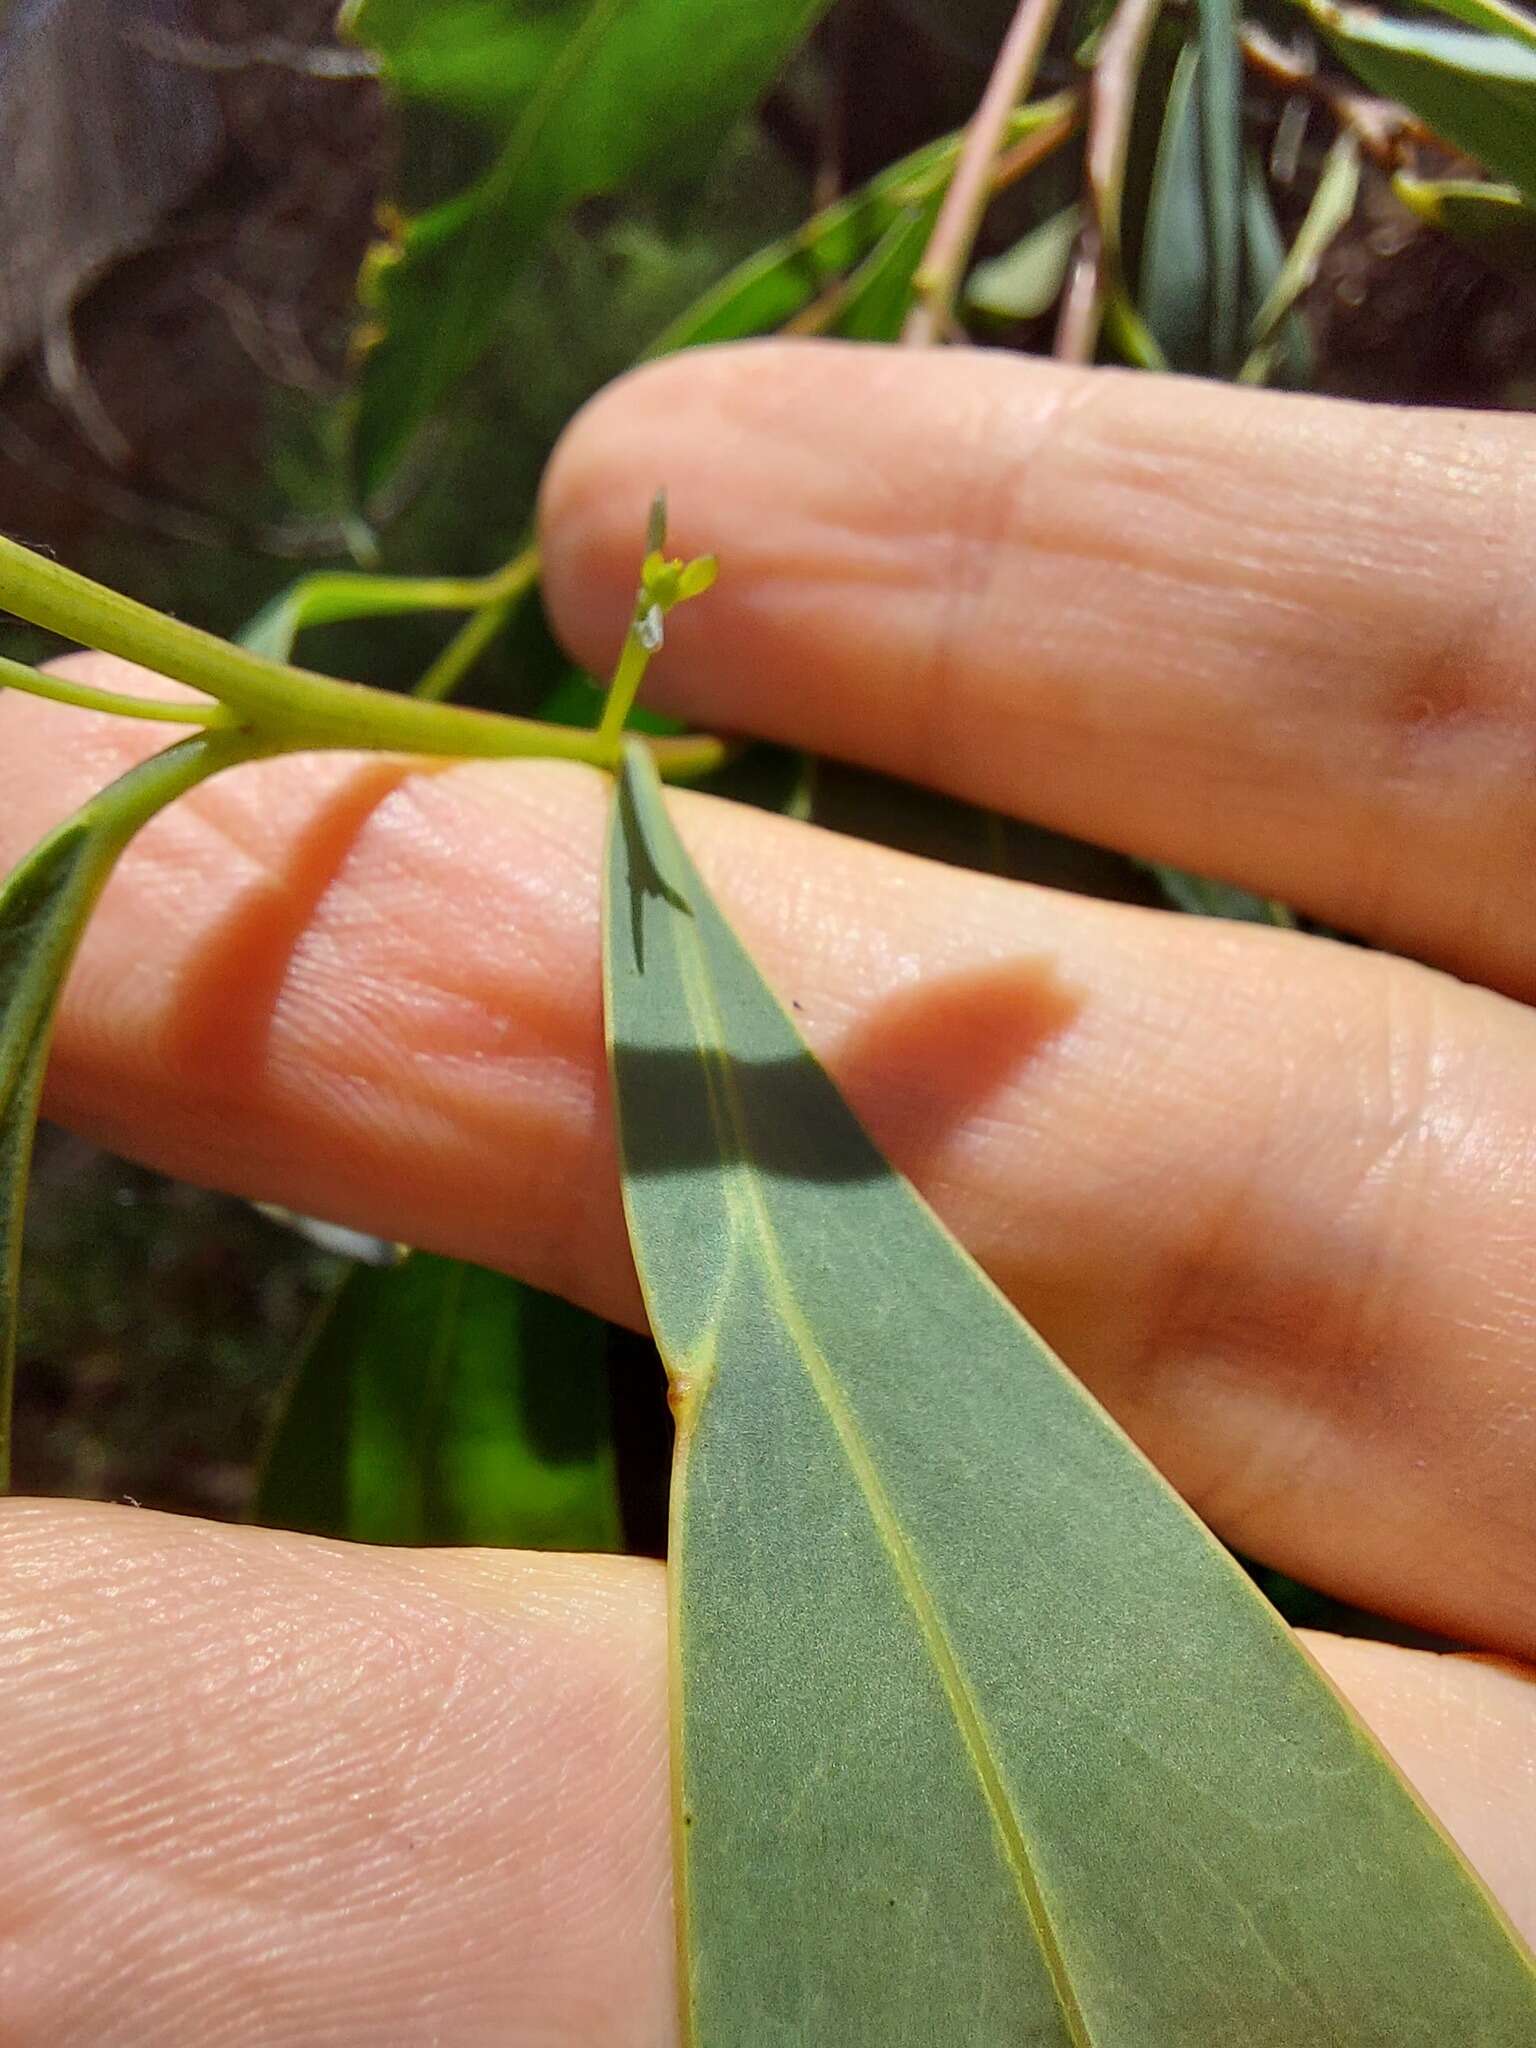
point(971, 545)
point(605, 1771)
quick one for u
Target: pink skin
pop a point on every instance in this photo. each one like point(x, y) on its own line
point(262, 1790)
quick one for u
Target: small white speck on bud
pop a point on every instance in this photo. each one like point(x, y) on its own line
point(650, 631)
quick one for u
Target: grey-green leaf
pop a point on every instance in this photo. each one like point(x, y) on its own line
point(1477, 91)
point(441, 1403)
point(1220, 84)
point(981, 1737)
point(1287, 357)
point(1175, 285)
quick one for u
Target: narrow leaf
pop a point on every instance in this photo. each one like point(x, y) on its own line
point(1221, 155)
point(1332, 208)
point(1288, 357)
point(1202, 897)
point(44, 906)
point(980, 1736)
point(613, 93)
point(1494, 17)
point(771, 289)
point(878, 296)
point(1476, 91)
point(440, 1403)
point(1175, 285)
point(1492, 218)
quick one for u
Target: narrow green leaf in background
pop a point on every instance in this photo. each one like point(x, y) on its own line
point(773, 288)
point(595, 95)
point(1288, 358)
point(44, 906)
point(1174, 295)
point(1494, 17)
point(980, 1736)
point(1476, 91)
point(1332, 208)
point(1220, 84)
point(1493, 218)
point(1202, 897)
point(441, 1403)
point(878, 295)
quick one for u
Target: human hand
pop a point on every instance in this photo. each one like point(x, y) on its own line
point(1274, 1198)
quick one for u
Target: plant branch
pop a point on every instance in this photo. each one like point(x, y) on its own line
point(1111, 104)
point(1030, 151)
point(286, 708)
point(954, 235)
point(501, 594)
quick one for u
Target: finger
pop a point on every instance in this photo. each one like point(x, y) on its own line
point(1271, 1197)
point(1463, 1732)
point(1281, 640)
point(263, 1791)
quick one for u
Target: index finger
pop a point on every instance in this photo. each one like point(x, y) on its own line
point(1285, 641)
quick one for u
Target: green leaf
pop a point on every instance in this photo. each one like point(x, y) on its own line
point(1205, 898)
point(1332, 208)
point(878, 295)
point(1221, 153)
point(1175, 283)
point(980, 1736)
point(1287, 359)
point(1026, 280)
point(440, 1403)
point(44, 906)
point(772, 288)
point(1477, 92)
point(601, 95)
point(1496, 17)
point(482, 58)
point(1492, 218)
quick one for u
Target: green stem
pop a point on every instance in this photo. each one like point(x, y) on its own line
point(290, 706)
point(290, 710)
point(504, 592)
point(445, 674)
point(620, 701)
point(15, 675)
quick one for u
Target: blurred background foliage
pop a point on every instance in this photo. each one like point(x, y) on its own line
point(202, 447)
